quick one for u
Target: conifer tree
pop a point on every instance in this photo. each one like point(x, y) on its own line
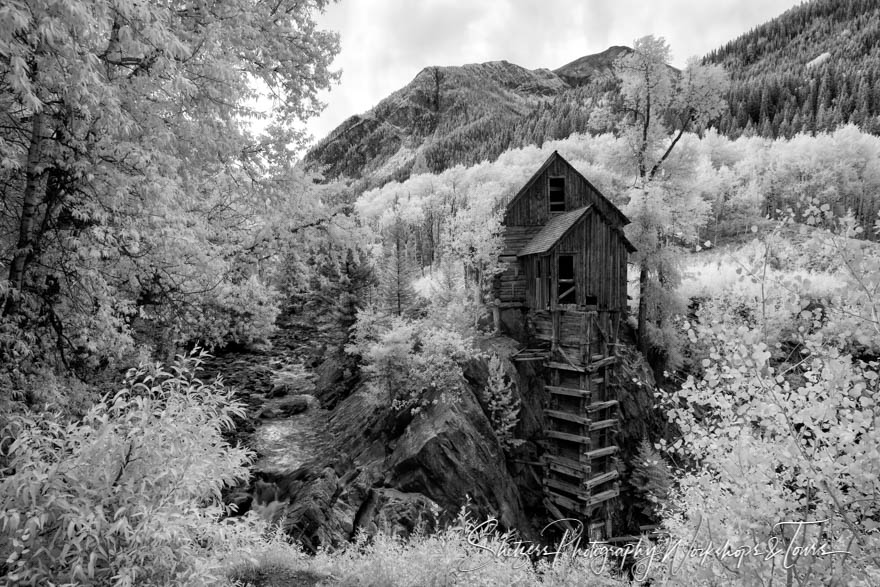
point(397, 295)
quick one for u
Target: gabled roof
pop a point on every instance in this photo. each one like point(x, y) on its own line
point(629, 246)
point(556, 229)
point(552, 232)
point(620, 217)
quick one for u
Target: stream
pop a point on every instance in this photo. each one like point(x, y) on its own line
point(285, 424)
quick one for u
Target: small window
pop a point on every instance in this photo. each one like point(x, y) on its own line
point(565, 281)
point(557, 194)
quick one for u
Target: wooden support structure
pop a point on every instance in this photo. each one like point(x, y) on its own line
point(561, 292)
point(581, 420)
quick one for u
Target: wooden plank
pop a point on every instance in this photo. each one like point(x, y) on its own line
point(604, 496)
point(557, 468)
point(565, 367)
point(602, 424)
point(601, 452)
point(601, 405)
point(560, 517)
point(592, 367)
point(567, 466)
point(568, 417)
point(569, 437)
point(571, 488)
point(600, 479)
point(567, 391)
point(566, 502)
point(513, 304)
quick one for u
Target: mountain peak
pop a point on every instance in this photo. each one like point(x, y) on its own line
point(590, 68)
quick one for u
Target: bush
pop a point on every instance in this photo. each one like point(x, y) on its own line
point(128, 495)
point(467, 553)
point(410, 362)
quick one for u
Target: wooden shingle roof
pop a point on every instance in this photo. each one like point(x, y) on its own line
point(552, 232)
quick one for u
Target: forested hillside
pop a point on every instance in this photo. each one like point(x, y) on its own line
point(813, 68)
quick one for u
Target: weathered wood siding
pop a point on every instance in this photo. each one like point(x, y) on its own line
point(510, 286)
point(600, 262)
point(539, 285)
point(531, 207)
point(599, 250)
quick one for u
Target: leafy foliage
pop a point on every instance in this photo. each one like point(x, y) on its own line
point(468, 552)
point(128, 495)
point(777, 421)
point(655, 108)
point(134, 187)
point(651, 477)
point(410, 363)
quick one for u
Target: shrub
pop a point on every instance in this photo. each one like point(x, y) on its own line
point(466, 553)
point(503, 403)
point(410, 362)
point(128, 495)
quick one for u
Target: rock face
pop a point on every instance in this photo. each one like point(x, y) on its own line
point(356, 465)
point(451, 453)
point(389, 470)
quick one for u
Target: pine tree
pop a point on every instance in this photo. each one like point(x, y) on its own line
point(503, 403)
point(397, 272)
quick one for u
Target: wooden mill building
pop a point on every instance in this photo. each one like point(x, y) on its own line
point(562, 294)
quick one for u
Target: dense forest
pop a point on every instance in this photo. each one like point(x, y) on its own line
point(221, 366)
point(809, 70)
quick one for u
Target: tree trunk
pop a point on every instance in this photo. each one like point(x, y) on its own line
point(643, 310)
point(30, 204)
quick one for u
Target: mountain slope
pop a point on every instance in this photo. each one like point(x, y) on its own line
point(811, 69)
point(592, 68)
point(451, 115)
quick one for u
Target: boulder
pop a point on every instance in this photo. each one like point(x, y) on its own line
point(297, 404)
point(397, 513)
point(308, 516)
point(398, 473)
point(336, 376)
point(449, 453)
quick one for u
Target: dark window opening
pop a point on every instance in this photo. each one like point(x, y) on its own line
point(591, 300)
point(557, 194)
point(565, 281)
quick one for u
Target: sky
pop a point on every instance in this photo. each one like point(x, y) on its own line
point(385, 43)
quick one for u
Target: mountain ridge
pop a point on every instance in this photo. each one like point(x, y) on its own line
point(417, 124)
point(466, 114)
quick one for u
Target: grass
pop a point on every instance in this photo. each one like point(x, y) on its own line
point(465, 554)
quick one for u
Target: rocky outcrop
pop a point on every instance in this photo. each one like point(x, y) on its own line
point(450, 454)
point(395, 471)
point(342, 461)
